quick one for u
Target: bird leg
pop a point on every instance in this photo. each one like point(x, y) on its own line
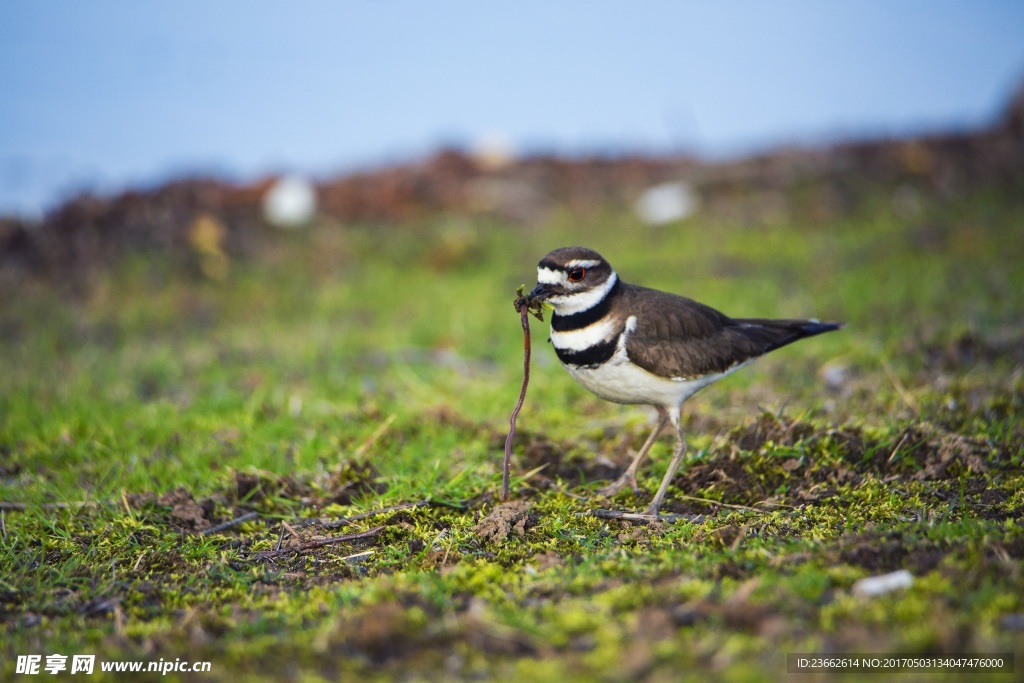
point(629, 476)
point(677, 458)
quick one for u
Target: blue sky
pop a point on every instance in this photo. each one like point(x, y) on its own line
point(105, 94)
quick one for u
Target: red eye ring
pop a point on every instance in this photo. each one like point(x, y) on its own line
point(577, 274)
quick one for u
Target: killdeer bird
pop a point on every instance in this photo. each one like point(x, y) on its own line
point(634, 345)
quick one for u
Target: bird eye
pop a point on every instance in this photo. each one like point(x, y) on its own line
point(577, 274)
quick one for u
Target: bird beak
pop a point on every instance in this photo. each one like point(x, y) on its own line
point(541, 292)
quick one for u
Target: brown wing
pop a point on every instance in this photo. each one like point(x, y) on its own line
point(679, 337)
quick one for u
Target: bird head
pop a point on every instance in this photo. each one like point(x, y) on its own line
point(573, 279)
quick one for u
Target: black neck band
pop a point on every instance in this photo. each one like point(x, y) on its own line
point(576, 321)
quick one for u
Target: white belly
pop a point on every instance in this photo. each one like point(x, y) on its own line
point(620, 381)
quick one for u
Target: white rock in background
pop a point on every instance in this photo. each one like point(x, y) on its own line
point(836, 375)
point(884, 583)
point(290, 202)
point(666, 202)
point(494, 151)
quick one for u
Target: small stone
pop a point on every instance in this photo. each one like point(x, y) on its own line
point(874, 586)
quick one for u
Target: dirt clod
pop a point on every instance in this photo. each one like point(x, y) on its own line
point(508, 518)
point(185, 511)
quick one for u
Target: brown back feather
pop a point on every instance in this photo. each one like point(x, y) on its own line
point(679, 337)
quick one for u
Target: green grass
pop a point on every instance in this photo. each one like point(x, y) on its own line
point(354, 368)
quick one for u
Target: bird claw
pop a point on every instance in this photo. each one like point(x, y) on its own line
point(652, 511)
point(627, 479)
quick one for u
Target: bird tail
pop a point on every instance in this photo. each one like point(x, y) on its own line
point(771, 334)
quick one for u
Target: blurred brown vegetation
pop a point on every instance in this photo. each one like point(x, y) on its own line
point(218, 220)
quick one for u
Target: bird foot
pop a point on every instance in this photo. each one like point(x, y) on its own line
point(627, 479)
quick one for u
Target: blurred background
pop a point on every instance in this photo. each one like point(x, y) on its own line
point(262, 255)
point(367, 178)
point(105, 96)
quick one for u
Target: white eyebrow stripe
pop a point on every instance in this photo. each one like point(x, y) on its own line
point(582, 263)
point(546, 276)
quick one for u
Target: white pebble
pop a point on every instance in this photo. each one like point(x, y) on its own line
point(885, 583)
